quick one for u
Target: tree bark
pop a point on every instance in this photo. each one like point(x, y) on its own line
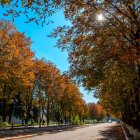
point(48, 111)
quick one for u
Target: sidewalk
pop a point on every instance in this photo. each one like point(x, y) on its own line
point(114, 132)
point(109, 133)
point(29, 131)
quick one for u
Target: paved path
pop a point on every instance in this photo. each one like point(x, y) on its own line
point(106, 131)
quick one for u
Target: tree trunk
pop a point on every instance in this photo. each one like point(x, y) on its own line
point(10, 117)
point(22, 122)
point(48, 111)
point(4, 112)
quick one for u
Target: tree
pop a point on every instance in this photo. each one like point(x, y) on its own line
point(100, 52)
point(49, 89)
point(31, 86)
point(33, 10)
point(96, 111)
point(16, 63)
point(104, 55)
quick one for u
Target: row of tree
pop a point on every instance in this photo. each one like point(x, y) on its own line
point(30, 88)
point(105, 53)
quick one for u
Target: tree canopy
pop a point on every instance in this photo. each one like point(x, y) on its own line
point(105, 53)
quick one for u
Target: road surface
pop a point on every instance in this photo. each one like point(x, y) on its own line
point(106, 131)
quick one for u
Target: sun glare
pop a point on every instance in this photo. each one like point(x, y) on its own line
point(100, 17)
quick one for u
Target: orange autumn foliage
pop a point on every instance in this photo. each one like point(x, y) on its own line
point(16, 74)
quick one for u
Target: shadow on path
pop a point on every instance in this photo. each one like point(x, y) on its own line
point(38, 131)
point(112, 133)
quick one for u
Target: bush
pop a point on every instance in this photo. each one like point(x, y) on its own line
point(4, 124)
point(76, 121)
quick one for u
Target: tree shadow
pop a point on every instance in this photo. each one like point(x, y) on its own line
point(112, 133)
point(38, 131)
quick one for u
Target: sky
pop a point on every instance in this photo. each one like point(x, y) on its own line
point(43, 46)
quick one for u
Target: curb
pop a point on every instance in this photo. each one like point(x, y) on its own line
point(125, 134)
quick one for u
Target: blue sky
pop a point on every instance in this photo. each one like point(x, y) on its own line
point(44, 46)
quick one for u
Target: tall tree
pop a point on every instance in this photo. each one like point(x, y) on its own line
point(16, 75)
point(104, 52)
point(96, 111)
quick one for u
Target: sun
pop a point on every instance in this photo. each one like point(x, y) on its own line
point(100, 17)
